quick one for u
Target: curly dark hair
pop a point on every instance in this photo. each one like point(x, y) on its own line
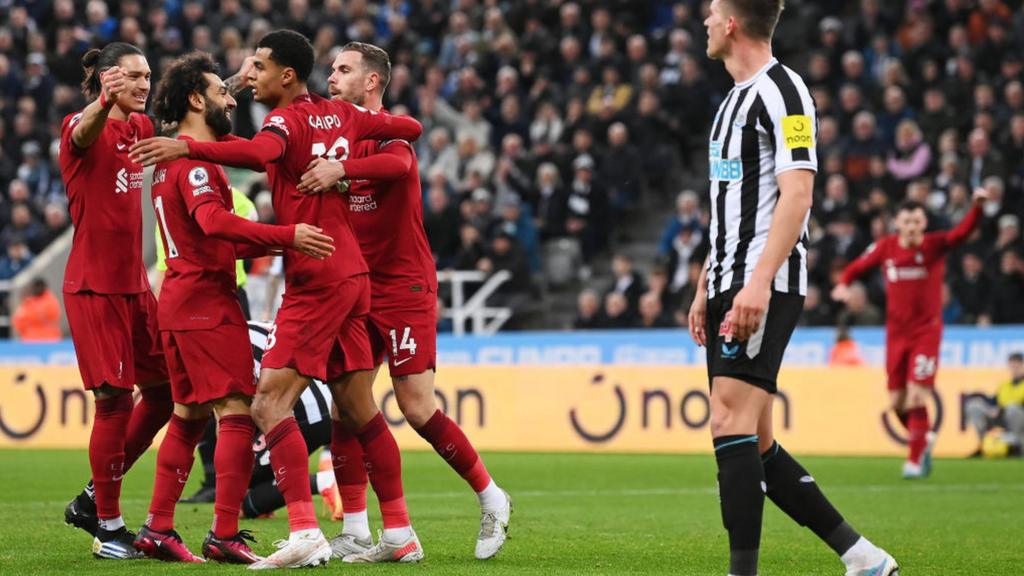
point(185, 76)
point(291, 50)
point(96, 61)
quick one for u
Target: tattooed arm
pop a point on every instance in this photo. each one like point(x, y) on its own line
point(240, 81)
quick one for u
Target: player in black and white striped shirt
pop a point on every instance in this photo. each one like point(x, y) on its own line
point(750, 295)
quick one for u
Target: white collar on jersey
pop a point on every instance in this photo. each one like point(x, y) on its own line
point(759, 73)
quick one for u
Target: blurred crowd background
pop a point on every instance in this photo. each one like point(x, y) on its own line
point(566, 141)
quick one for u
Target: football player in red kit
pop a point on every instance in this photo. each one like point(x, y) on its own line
point(385, 196)
point(914, 266)
point(320, 330)
point(203, 330)
point(110, 307)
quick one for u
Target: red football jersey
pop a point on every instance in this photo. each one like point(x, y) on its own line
point(199, 289)
point(313, 126)
point(387, 216)
point(292, 136)
point(104, 191)
point(913, 275)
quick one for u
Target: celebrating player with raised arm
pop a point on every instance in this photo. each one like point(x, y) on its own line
point(202, 327)
point(750, 294)
point(914, 268)
point(110, 308)
point(384, 197)
point(320, 331)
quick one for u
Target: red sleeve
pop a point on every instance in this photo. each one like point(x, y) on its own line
point(957, 236)
point(245, 251)
point(380, 126)
point(67, 143)
point(215, 220)
point(255, 154)
point(389, 164)
point(199, 185)
point(871, 258)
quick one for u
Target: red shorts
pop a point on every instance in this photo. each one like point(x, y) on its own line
point(206, 365)
point(912, 360)
point(321, 333)
point(406, 332)
point(116, 338)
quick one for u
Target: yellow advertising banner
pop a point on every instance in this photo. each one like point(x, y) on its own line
point(838, 411)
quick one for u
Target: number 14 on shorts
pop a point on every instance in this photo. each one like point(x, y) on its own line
point(407, 342)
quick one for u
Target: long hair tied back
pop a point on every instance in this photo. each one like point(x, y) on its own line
point(96, 61)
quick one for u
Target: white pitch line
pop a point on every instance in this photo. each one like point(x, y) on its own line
point(637, 492)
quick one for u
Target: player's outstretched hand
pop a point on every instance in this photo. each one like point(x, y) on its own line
point(160, 149)
point(113, 84)
point(241, 80)
point(312, 242)
point(980, 195)
point(748, 310)
point(697, 316)
point(320, 176)
point(841, 293)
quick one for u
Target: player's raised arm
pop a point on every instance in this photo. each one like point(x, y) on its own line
point(963, 230)
point(119, 85)
point(89, 127)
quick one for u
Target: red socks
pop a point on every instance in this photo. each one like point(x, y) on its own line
point(349, 468)
point(289, 459)
point(106, 452)
point(384, 467)
point(173, 465)
point(918, 426)
point(451, 443)
point(148, 417)
point(233, 460)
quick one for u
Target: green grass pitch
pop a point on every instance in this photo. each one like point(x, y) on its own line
point(574, 514)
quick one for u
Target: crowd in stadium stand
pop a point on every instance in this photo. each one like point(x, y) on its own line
point(549, 126)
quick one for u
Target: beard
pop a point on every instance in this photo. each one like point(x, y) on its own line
point(216, 118)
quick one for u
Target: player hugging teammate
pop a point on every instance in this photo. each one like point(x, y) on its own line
point(202, 328)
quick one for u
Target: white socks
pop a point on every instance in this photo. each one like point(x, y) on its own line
point(357, 524)
point(308, 533)
point(862, 553)
point(491, 498)
point(397, 535)
point(324, 480)
point(112, 524)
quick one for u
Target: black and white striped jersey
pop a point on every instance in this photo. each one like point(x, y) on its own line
point(314, 405)
point(765, 126)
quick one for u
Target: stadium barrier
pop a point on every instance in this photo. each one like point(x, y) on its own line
point(595, 408)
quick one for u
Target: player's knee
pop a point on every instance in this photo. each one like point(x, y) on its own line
point(418, 412)
point(916, 396)
point(724, 422)
point(263, 412)
point(417, 404)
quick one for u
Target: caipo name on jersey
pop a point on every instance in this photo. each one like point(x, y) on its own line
point(325, 122)
point(723, 169)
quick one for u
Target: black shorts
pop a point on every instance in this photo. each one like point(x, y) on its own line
point(757, 360)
